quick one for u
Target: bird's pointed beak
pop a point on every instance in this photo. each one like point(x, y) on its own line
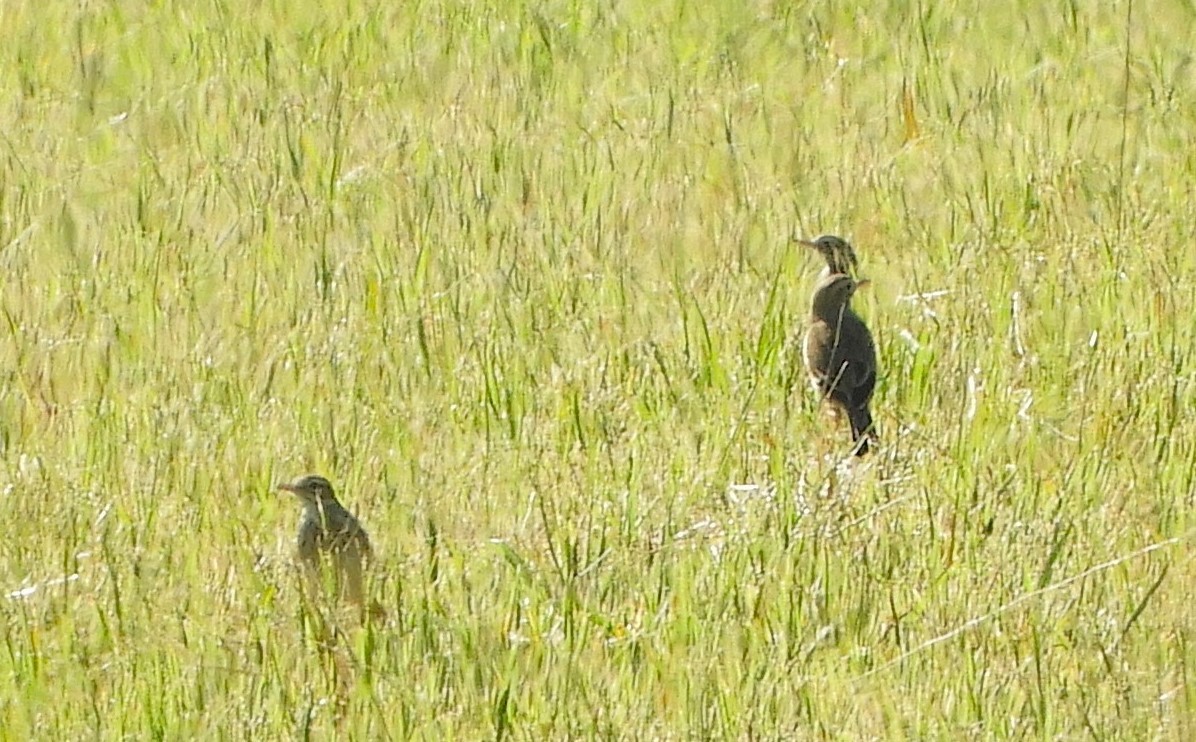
point(861, 283)
point(804, 241)
point(288, 487)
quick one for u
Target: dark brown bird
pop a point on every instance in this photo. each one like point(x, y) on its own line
point(840, 355)
point(838, 253)
point(328, 531)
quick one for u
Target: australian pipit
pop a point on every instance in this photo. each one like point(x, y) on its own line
point(327, 531)
point(838, 253)
point(840, 355)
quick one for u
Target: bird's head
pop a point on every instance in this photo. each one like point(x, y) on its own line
point(838, 253)
point(835, 291)
point(311, 489)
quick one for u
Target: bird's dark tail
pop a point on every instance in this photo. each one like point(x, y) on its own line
point(861, 428)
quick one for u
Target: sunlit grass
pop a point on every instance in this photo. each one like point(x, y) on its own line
point(518, 280)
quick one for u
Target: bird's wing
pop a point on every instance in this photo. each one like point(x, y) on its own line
point(861, 392)
point(348, 561)
point(367, 549)
point(859, 353)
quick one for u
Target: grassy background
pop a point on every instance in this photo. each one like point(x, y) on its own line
point(516, 278)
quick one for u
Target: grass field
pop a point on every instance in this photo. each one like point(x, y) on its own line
point(517, 278)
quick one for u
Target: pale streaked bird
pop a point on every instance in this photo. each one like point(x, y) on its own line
point(329, 534)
